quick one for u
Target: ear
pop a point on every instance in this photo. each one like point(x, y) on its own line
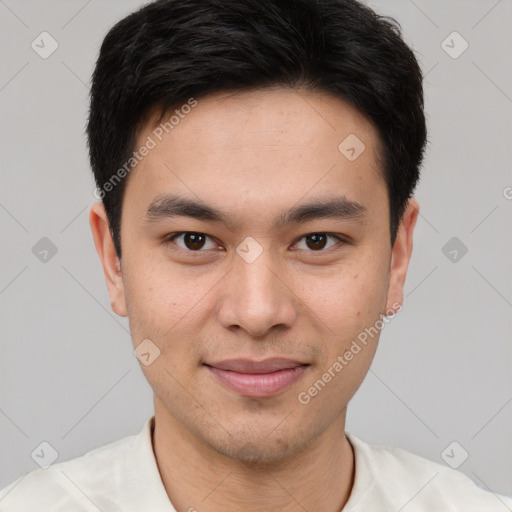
point(100, 228)
point(400, 256)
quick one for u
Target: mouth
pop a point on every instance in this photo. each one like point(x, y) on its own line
point(257, 379)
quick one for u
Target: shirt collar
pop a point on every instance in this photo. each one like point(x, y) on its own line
point(144, 487)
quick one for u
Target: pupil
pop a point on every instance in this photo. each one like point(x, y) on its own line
point(315, 239)
point(194, 238)
point(196, 241)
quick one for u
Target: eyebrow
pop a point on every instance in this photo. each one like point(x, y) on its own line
point(169, 206)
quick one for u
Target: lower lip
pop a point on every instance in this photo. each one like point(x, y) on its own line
point(259, 384)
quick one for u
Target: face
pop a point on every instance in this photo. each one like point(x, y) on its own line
point(259, 272)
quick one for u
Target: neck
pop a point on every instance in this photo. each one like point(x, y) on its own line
point(197, 478)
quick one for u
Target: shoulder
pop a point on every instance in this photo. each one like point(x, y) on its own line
point(84, 483)
point(400, 477)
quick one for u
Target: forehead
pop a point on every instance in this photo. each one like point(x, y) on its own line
point(259, 148)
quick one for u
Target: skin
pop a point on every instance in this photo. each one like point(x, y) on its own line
point(253, 155)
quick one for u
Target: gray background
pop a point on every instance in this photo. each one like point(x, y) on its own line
point(443, 368)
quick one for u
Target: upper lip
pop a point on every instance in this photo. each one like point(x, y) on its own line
point(250, 366)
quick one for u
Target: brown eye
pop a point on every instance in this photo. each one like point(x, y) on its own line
point(316, 242)
point(191, 241)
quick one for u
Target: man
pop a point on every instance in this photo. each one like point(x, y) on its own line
point(255, 162)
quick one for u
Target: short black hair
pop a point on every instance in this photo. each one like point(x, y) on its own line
point(171, 51)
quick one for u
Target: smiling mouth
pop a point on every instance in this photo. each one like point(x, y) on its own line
point(258, 379)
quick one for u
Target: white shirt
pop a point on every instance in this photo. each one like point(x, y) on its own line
point(123, 476)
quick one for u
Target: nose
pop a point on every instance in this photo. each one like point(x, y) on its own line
point(257, 297)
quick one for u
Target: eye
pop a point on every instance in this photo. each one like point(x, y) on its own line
point(192, 241)
point(317, 242)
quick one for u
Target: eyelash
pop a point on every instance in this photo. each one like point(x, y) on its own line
point(170, 239)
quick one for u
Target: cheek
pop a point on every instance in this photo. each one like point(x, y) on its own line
point(348, 298)
point(166, 304)
point(161, 309)
point(155, 298)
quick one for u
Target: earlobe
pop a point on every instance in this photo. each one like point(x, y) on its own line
point(110, 262)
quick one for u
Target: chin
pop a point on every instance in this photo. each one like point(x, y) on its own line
point(262, 453)
point(263, 447)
